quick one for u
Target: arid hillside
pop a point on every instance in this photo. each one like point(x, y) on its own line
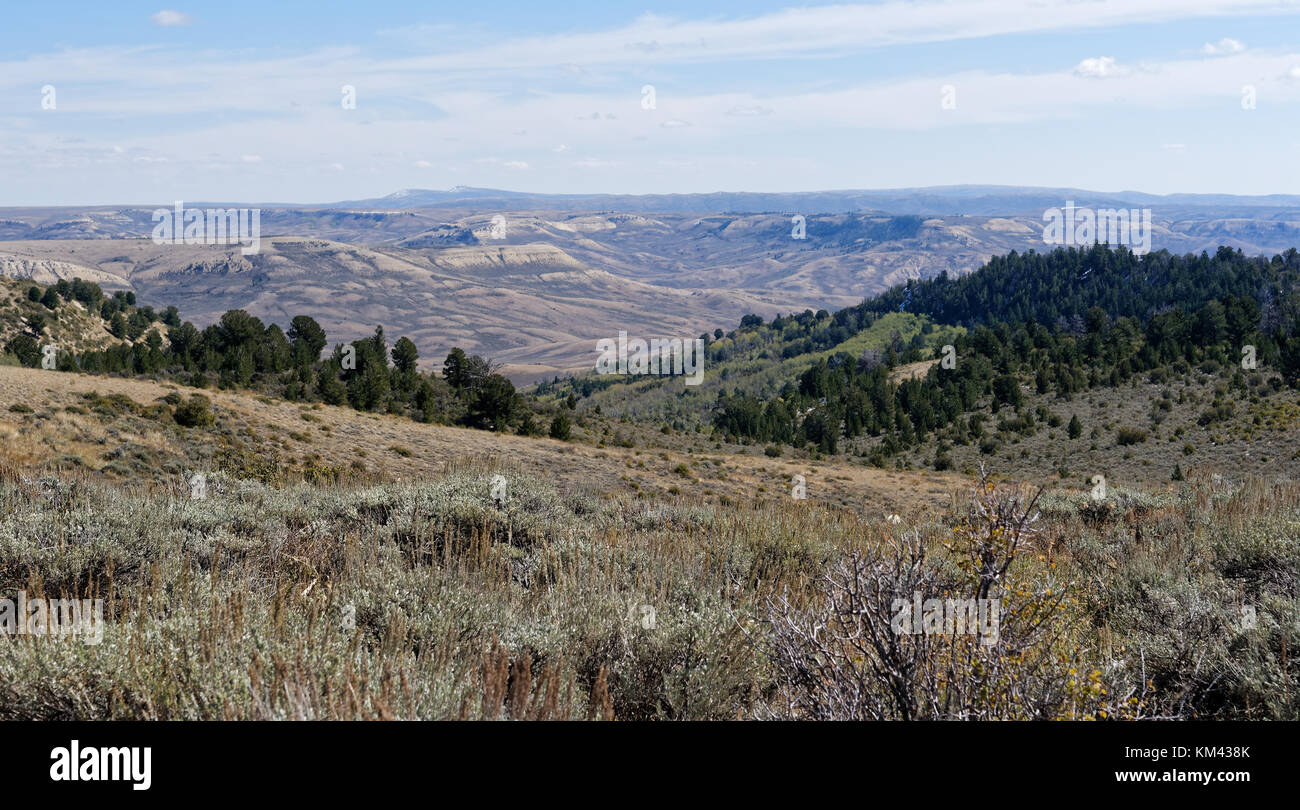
point(123, 430)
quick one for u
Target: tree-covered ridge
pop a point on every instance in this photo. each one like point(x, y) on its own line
point(1085, 346)
point(1058, 288)
point(240, 351)
point(72, 314)
point(1055, 289)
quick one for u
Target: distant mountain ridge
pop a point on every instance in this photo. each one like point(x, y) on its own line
point(939, 201)
point(970, 200)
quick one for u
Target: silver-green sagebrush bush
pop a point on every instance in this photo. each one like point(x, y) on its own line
point(463, 598)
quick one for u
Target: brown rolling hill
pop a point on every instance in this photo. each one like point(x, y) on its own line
point(120, 429)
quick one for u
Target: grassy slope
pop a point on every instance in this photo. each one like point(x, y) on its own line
point(276, 441)
point(1259, 439)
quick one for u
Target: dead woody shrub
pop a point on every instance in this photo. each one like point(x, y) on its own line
point(844, 657)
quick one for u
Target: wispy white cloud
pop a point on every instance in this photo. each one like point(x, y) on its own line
point(169, 18)
point(1101, 67)
point(1223, 47)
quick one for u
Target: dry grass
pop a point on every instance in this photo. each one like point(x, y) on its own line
point(252, 429)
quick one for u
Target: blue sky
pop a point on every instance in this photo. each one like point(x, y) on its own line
point(135, 103)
